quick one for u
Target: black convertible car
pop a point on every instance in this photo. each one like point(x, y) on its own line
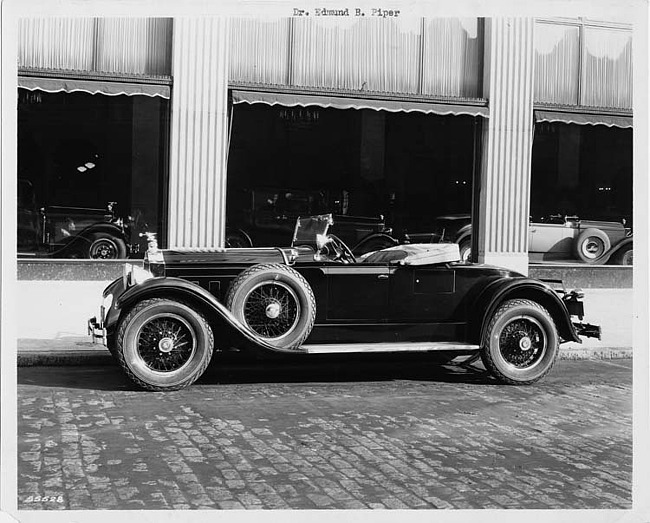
point(163, 322)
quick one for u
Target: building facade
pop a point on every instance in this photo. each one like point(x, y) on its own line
point(196, 125)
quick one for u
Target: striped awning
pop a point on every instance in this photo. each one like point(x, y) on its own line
point(610, 120)
point(92, 86)
point(345, 102)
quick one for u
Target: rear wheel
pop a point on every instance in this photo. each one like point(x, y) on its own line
point(163, 344)
point(520, 344)
point(105, 246)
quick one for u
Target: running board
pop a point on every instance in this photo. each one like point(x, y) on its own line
point(336, 348)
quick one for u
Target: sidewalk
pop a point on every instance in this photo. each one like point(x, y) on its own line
point(76, 351)
point(612, 309)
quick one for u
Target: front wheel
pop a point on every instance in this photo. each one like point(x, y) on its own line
point(163, 344)
point(521, 343)
point(625, 257)
point(105, 246)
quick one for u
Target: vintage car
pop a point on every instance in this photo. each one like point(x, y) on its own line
point(70, 232)
point(163, 321)
point(554, 237)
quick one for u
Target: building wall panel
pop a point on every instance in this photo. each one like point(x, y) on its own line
point(127, 46)
point(583, 63)
point(259, 50)
point(557, 63)
point(452, 57)
point(199, 131)
point(358, 55)
point(607, 68)
point(507, 144)
point(437, 57)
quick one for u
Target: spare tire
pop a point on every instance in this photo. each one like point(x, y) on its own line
point(275, 302)
point(591, 244)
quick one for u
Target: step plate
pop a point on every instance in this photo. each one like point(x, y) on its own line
point(336, 348)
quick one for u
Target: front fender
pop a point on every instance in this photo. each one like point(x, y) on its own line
point(625, 243)
point(510, 288)
point(228, 331)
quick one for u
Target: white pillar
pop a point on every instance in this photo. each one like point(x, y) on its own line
point(504, 198)
point(199, 132)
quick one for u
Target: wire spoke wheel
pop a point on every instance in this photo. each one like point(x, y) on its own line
point(522, 342)
point(104, 248)
point(275, 303)
point(165, 343)
point(272, 309)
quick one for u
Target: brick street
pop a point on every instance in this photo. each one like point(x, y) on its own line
point(335, 434)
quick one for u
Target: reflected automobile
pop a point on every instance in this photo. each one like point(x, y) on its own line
point(70, 232)
point(554, 237)
point(267, 216)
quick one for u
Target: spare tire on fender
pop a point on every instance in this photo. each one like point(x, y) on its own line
point(591, 244)
point(275, 302)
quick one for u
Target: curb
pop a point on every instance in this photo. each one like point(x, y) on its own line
point(101, 356)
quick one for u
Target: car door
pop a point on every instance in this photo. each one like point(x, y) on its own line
point(550, 238)
point(424, 303)
point(357, 293)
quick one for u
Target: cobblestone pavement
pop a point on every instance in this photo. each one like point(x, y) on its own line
point(331, 435)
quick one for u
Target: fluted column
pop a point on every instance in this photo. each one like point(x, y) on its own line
point(504, 195)
point(199, 132)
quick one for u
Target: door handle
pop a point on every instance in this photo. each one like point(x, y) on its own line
point(382, 277)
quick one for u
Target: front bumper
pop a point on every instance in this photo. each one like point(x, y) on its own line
point(587, 330)
point(96, 330)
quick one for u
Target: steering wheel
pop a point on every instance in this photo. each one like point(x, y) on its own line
point(343, 252)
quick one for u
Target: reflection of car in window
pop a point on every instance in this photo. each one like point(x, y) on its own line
point(162, 322)
point(70, 232)
point(554, 237)
point(266, 217)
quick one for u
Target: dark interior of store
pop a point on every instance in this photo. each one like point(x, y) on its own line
point(83, 150)
point(582, 170)
point(86, 150)
point(407, 167)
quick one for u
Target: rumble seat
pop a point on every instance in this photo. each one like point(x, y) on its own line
point(416, 254)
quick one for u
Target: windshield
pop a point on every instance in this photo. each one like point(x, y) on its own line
point(307, 229)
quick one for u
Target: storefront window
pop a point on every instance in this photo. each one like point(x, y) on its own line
point(90, 173)
point(376, 169)
point(581, 180)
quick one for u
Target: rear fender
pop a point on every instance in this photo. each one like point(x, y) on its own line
point(83, 239)
point(106, 227)
point(507, 289)
point(228, 331)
